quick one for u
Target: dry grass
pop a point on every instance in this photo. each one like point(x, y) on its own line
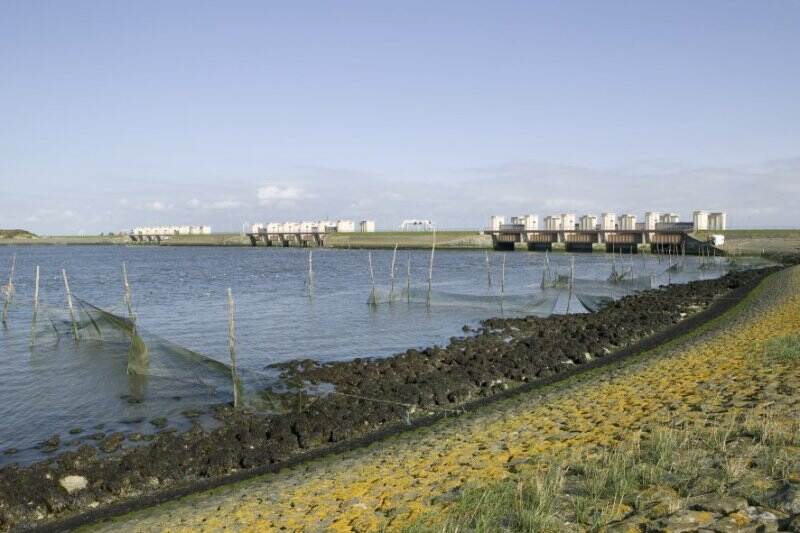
point(741, 456)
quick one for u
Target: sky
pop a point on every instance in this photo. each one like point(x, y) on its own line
point(116, 114)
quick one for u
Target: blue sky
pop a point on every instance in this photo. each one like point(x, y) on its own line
point(124, 113)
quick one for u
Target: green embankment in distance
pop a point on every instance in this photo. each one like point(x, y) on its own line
point(753, 233)
point(16, 234)
point(408, 239)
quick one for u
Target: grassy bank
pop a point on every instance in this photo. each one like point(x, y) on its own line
point(215, 239)
point(780, 244)
point(16, 234)
point(408, 239)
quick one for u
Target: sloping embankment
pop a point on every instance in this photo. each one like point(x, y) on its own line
point(692, 382)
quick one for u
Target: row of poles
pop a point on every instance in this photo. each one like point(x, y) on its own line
point(9, 291)
point(392, 270)
point(374, 293)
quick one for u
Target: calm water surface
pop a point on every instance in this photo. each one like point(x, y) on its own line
point(179, 294)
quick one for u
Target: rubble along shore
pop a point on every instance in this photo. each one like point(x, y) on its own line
point(371, 396)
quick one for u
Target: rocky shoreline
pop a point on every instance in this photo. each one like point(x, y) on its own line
point(371, 396)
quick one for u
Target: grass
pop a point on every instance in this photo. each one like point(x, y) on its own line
point(650, 474)
point(784, 349)
point(16, 234)
point(408, 239)
point(754, 233)
point(215, 239)
point(528, 503)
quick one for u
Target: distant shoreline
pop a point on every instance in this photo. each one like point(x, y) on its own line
point(742, 241)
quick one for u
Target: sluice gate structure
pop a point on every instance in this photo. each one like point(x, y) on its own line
point(302, 239)
point(665, 239)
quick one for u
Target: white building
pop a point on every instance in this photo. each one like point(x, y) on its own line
point(627, 222)
point(651, 218)
point(413, 224)
point(529, 222)
point(308, 227)
point(588, 222)
point(495, 221)
point(608, 221)
point(552, 222)
point(568, 221)
point(366, 226)
point(670, 218)
point(700, 220)
point(717, 221)
point(326, 226)
point(345, 226)
point(257, 228)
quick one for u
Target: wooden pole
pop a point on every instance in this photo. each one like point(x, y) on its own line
point(669, 267)
point(232, 348)
point(373, 297)
point(128, 298)
point(9, 292)
point(503, 277)
point(69, 305)
point(391, 274)
point(488, 273)
point(408, 278)
point(571, 281)
point(430, 266)
point(311, 273)
point(35, 307)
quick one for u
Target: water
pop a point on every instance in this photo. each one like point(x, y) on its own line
point(179, 294)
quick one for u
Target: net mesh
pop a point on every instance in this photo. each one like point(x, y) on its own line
point(155, 366)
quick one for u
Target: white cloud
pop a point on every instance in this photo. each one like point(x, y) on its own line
point(270, 194)
point(226, 204)
point(158, 205)
point(194, 203)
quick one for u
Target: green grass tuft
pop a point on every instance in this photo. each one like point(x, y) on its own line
point(785, 349)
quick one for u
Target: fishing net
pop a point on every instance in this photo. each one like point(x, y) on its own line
point(540, 303)
point(156, 367)
point(593, 302)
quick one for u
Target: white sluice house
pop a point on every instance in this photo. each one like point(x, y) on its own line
point(588, 223)
point(717, 221)
point(414, 224)
point(529, 222)
point(496, 221)
point(568, 221)
point(700, 220)
point(608, 221)
point(627, 222)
